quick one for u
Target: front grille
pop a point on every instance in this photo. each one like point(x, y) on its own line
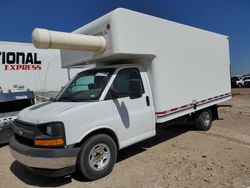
point(23, 124)
point(25, 132)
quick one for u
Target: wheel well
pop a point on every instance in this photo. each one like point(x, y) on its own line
point(100, 131)
point(214, 110)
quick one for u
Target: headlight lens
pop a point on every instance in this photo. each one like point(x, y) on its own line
point(49, 130)
point(50, 135)
point(52, 129)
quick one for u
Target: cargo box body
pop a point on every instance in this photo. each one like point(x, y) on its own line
point(186, 66)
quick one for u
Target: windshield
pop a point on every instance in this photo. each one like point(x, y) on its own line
point(86, 86)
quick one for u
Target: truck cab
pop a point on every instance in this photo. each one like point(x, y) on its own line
point(113, 102)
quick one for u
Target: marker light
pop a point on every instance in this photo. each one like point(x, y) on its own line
point(49, 143)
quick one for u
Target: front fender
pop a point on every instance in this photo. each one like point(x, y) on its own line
point(96, 128)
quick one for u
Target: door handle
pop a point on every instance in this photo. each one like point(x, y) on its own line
point(147, 101)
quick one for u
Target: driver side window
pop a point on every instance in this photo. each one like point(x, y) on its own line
point(122, 80)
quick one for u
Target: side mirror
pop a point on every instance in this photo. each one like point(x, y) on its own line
point(116, 94)
point(135, 88)
point(91, 86)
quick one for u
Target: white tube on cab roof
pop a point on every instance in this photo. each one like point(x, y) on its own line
point(45, 39)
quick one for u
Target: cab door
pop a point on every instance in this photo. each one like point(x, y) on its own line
point(134, 117)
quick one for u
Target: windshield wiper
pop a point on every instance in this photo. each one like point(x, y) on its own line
point(51, 99)
point(70, 98)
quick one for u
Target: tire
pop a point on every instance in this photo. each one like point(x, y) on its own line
point(203, 120)
point(96, 157)
point(240, 85)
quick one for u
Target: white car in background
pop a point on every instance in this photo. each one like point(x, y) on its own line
point(243, 82)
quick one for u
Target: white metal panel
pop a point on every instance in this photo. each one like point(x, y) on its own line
point(79, 118)
point(190, 64)
point(50, 78)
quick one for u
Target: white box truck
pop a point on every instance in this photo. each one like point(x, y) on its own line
point(148, 71)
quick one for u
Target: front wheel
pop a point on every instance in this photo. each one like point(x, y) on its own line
point(203, 120)
point(97, 157)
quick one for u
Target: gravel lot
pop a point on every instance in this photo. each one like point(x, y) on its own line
point(177, 157)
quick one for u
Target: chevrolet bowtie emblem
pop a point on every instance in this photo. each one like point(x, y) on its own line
point(20, 132)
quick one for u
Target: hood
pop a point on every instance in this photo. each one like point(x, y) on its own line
point(46, 112)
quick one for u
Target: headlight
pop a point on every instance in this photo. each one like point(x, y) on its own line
point(49, 130)
point(55, 130)
point(52, 129)
point(51, 135)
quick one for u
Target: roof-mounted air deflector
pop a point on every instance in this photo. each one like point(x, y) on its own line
point(44, 39)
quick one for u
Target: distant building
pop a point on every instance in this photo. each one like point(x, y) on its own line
point(22, 66)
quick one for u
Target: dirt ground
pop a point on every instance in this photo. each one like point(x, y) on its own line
point(177, 157)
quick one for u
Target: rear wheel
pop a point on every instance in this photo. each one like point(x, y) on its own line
point(97, 157)
point(203, 120)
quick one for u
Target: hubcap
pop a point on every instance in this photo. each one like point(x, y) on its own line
point(206, 118)
point(99, 157)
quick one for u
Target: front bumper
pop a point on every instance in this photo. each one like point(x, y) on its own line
point(43, 158)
